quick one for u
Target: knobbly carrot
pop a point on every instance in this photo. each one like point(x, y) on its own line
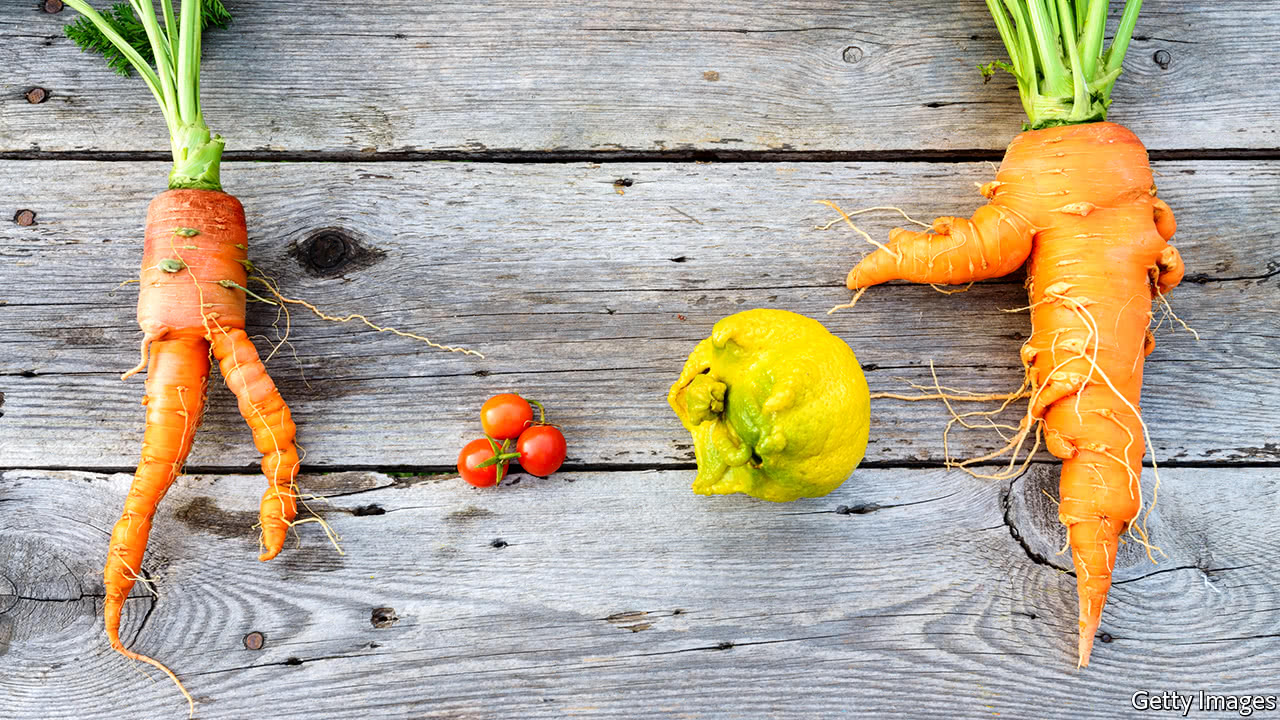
point(273, 430)
point(191, 302)
point(192, 285)
point(1075, 201)
point(177, 375)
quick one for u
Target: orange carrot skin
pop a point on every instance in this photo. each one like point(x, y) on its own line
point(1081, 207)
point(994, 243)
point(273, 432)
point(174, 300)
point(196, 242)
point(202, 234)
point(1102, 261)
point(177, 378)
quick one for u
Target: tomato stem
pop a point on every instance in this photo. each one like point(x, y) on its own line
point(542, 412)
point(501, 458)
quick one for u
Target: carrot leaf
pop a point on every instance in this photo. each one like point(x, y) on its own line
point(1056, 56)
point(132, 39)
point(121, 18)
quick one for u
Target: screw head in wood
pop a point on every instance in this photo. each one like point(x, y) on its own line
point(255, 640)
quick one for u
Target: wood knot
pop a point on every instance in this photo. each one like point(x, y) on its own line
point(383, 617)
point(334, 252)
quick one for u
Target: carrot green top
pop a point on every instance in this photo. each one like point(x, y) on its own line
point(130, 36)
point(1055, 48)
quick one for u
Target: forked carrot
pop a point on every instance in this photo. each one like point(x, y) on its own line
point(1075, 201)
point(191, 301)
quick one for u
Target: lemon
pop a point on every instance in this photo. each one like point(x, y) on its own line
point(777, 406)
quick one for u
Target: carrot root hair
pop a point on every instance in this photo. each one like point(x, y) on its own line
point(275, 291)
point(191, 703)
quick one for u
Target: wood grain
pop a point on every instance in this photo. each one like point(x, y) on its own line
point(587, 300)
point(622, 594)
point(610, 590)
point(656, 77)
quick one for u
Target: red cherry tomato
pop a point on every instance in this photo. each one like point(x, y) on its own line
point(474, 453)
point(542, 449)
point(505, 416)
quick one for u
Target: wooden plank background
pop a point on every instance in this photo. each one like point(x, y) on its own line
point(578, 237)
point(590, 300)
point(621, 594)
point(543, 77)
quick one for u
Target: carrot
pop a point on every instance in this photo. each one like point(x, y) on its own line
point(192, 285)
point(177, 375)
point(192, 296)
point(273, 431)
point(1073, 200)
point(192, 302)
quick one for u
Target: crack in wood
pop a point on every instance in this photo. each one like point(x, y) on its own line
point(867, 508)
point(1006, 500)
point(155, 599)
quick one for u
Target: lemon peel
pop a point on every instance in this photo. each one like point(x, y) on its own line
point(777, 406)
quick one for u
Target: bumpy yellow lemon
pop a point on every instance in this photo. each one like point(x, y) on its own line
point(777, 406)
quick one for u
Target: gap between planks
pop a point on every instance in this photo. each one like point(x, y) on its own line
point(518, 156)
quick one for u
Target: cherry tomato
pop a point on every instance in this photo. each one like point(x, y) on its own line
point(474, 453)
point(542, 449)
point(505, 416)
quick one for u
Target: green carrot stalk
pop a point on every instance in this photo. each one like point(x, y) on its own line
point(1056, 54)
point(167, 58)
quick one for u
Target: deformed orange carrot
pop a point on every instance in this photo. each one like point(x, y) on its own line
point(1077, 204)
point(177, 376)
point(273, 431)
point(1074, 200)
point(192, 301)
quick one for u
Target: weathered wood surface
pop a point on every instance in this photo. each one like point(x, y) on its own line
point(611, 590)
point(588, 300)
point(622, 594)
point(723, 77)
